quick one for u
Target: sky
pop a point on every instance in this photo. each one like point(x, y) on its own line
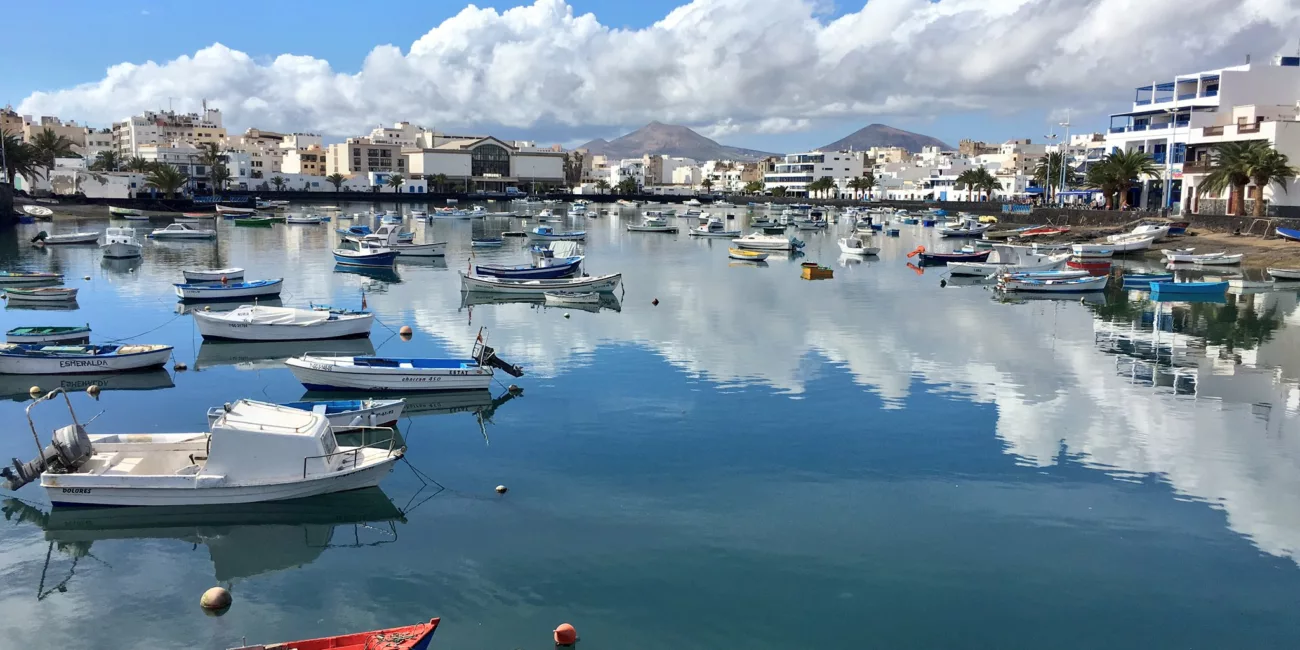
point(773, 75)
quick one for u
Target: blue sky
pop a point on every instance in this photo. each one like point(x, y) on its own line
point(909, 84)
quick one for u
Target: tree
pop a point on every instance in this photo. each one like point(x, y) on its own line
point(753, 187)
point(1115, 174)
point(778, 192)
point(707, 184)
point(602, 186)
point(395, 181)
point(572, 167)
point(1269, 166)
point(1048, 174)
point(336, 179)
point(20, 158)
point(439, 180)
point(278, 181)
point(627, 186)
point(210, 156)
point(137, 164)
point(49, 145)
point(823, 184)
point(106, 161)
point(167, 179)
point(220, 177)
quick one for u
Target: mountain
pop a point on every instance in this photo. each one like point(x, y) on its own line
point(670, 140)
point(880, 135)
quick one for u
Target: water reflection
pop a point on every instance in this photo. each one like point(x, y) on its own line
point(17, 386)
point(267, 355)
point(608, 301)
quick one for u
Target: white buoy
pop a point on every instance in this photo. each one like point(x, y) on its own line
point(501, 489)
point(215, 599)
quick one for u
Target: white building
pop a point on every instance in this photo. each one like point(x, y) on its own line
point(797, 170)
point(161, 127)
point(409, 185)
point(1277, 125)
point(487, 164)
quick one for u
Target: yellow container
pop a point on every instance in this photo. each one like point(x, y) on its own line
point(815, 272)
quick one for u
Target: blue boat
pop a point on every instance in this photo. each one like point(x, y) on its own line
point(354, 231)
point(1159, 289)
point(369, 257)
point(545, 269)
point(1288, 233)
point(1143, 281)
point(487, 242)
point(927, 223)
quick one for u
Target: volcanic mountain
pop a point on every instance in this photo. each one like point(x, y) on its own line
point(657, 138)
point(880, 135)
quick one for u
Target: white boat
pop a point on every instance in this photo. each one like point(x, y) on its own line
point(1063, 274)
point(228, 290)
point(692, 202)
point(342, 414)
point(1156, 232)
point(225, 209)
point(254, 452)
point(44, 294)
point(1071, 285)
point(75, 334)
point(811, 224)
point(182, 231)
point(598, 283)
point(38, 211)
point(121, 243)
point(1283, 274)
point(755, 241)
point(1093, 250)
point(572, 297)
point(38, 359)
point(1222, 259)
point(714, 228)
point(652, 223)
point(305, 219)
point(418, 214)
point(33, 277)
point(231, 274)
point(393, 373)
point(436, 249)
point(856, 246)
point(1130, 243)
point(65, 238)
point(967, 228)
point(547, 233)
point(1006, 259)
point(261, 323)
point(1186, 255)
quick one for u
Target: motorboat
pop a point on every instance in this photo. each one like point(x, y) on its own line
point(342, 414)
point(652, 223)
point(305, 219)
point(931, 258)
point(547, 233)
point(599, 283)
point(714, 228)
point(811, 224)
point(747, 255)
point(572, 297)
point(261, 323)
point(182, 231)
point(317, 372)
point(228, 290)
point(1283, 274)
point(29, 277)
point(407, 637)
point(365, 256)
point(755, 241)
point(120, 243)
point(42, 294)
point(41, 359)
point(1009, 260)
point(692, 202)
point(70, 334)
point(385, 235)
point(1071, 285)
point(44, 239)
point(545, 267)
point(855, 245)
point(254, 452)
point(231, 274)
point(1093, 250)
point(232, 211)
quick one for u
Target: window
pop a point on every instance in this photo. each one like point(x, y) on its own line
point(356, 151)
point(488, 159)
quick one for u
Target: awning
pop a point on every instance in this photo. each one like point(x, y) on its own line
point(1033, 190)
point(1078, 193)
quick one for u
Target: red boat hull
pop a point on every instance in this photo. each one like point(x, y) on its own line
point(410, 637)
point(1045, 230)
point(1093, 268)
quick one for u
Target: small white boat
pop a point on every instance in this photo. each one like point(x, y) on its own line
point(342, 414)
point(1093, 250)
point(254, 452)
point(714, 228)
point(1186, 255)
point(261, 323)
point(598, 283)
point(74, 334)
point(856, 246)
point(436, 249)
point(692, 202)
point(38, 211)
point(34, 277)
point(1015, 260)
point(755, 241)
point(652, 223)
point(397, 374)
point(44, 294)
point(572, 297)
point(1221, 259)
point(967, 228)
point(547, 233)
point(38, 359)
point(182, 231)
point(1130, 242)
point(1284, 274)
point(1063, 274)
point(304, 219)
point(229, 290)
point(65, 238)
point(1072, 285)
point(225, 209)
point(231, 274)
point(120, 243)
point(747, 255)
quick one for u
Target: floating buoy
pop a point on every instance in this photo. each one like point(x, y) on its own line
point(655, 302)
point(180, 366)
point(216, 599)
point(34, 391)
point(943, 283)
point(501, 489)
point(86, 278)
point(93, 390)
point(405, 331)
point(515, 390)
point(565, 635)
point(207, 307)
point(566, 314)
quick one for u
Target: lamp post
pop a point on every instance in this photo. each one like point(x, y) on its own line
point(1064, 148)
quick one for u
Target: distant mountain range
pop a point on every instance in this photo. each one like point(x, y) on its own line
point(657, 138)
point(880, 135)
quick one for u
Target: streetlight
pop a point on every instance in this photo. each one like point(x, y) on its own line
point(1065, 124)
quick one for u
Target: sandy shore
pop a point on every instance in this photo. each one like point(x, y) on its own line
point(1259, 252)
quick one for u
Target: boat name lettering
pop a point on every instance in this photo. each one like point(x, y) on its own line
point(458, 372)
point(319, 366)
point(421, 379)
point(76, 363)
point(76, 490)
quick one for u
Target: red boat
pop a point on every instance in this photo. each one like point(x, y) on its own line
point(410, 637)
point(1044, 230)
point(1100, 267)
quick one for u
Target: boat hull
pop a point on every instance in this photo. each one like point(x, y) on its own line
point(421, 250)
point(602, 284)
point(120, 250)
point(1188, 289)
point(219, 292)
point(1284, 274)
point(8, 279)
point(358, 413)
point(537, 273)
point(61, 365)
point(214, 275)
point(1076, 285)
point(74, 238)
point(1288, 234)
point(54, 335)
point(372, 260)
point(213, 327)
point(320, 374)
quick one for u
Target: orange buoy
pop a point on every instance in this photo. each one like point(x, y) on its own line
point(565, 635)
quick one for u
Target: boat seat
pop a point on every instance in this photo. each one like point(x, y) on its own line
point(125, 465)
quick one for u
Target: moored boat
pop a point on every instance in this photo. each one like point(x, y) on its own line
point(230, 274)
point(1142, 281)
point(486, 242)
point(436, 249)
point(714, 228)
point(1188, 288)
point(755, 241)
point(410, 637)
point(1071, 285)
point(44, 239)
point(930, 258)
point(599, 283)
point(182, 231)
point(572, 297)
point(42, 294)
point(29, 277)
point(317, 372)
point(72, 334)
point(343, 414)
point(261, 323)
point(230, 210)
point(855, 245)
point(546, 267)
point(366, 257)
point(228, 290)
point(1283, 274)
point(547, 233)
point(746, 255)
point(124, 212)
point(305, 219)
point(120, 243)
point(254, 222)
point(1092, 250)
point(40, 359)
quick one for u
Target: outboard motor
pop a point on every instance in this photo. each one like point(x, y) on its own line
point(489, 358)
point(40, 236)
point(69, 449)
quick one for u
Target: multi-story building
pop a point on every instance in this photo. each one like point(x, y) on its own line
point(973, 148)
point(1279, 126)
point(183, 156)
point(163, 127)
point(307, 160)
point(98, 141)
point(72, 131)
point(486, 164)
point(362, 156)
point(1165, 114)
point(10, 121)
point(799, 169)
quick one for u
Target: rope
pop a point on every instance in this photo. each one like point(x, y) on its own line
point(127, 338)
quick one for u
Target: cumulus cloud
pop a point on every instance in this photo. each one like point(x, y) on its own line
point(761, 66)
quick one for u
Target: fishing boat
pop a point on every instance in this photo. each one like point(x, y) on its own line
point(746, 255)
point(1288, 234)
point(1188, 288)
point(182, 231)
point(40, 359)
point(436, 249)
point(44, 239)
point(599, 283)
point(1221, 260)
point(1186, 255)
point(1284, 274)
point(486, 242)
point(261, 323)
point(1142, 281)
point(305, 219)
point(572, 297)
point(652, 223)
point(228, 290)
point(120, 243)
point(714, 228)
point(755, 241)
point(410, 637)
point(343, 414)
point(29, 277)
point(1010, 260)
point(124, 212)
point(318, 372)
point(1092, 250)
point(855, 245)
point(38, 211)
point(225, 209)
point(254, 222)
point(1071, 285)
point(546, 267)
point(1092, 266)
point(366, 256)
point(1062, 274)
point(230, 274)
point(929, 258)
point(254, 452)
point(967, 228)
point(73, 334)
point(386, 235)
point(1130, 243)
point(547, 233)
point(44, 294)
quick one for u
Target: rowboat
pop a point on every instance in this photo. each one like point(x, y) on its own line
point(545, 268)
point(437, 249)
point(547, 233)
point(73, 334)
point(1130, 243)
point(233, 273)
point(317, 372)
point(1186, 255)
point(1221, 260)
point(487, 242)
point(1072, 285)
point(225, 209)
point(254, 222)
point(573, 297)
point(747, 256)
point(366, 256)
point(1039, 231)
point(228, 290)
point(411, 637)
point(1155, 231)
point(1288, 233)
point(261, 323)
point(1010, 260)
point(29, 277)
point(39, 359)
point(755, 241)
point(1284, 274)
point(928, 258)
point(1063, 274)
point(1142, 281)
point(38, 211)
point(968, 228)
point(856, 246)
point(1092, 250)
point(306, 220)
point(182, 231)
point(124, 212)
point(43, 294)
point(120, 243)
point(343, 414)
point(1188, 288)
point(254, 452)
point(598, 283)
point(42, 238)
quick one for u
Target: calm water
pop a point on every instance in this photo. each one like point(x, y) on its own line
point(759, 461)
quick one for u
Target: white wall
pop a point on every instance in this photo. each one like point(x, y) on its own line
point(539, 167)
point(454, 164)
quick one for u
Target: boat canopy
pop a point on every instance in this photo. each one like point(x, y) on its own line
point(256, 441)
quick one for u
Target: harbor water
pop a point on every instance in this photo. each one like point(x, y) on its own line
point(756, 461)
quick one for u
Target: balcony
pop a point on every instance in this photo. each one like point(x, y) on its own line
point(1211, 130)
point(1197, 166)
point(1211, 93)
point(1142, 102)
point(1248, 128)
point(1186, 96)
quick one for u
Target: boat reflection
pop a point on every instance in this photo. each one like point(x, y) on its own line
point(16, 386)
point(228, 305)
point(427, 262)
point(473, 299)
point(120, 266)
point(382, 274)
point(265, 355)
point(243, 540)
point(69, 305)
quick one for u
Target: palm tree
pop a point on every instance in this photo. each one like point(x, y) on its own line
point(602, 186)
point(49, 145)
point(707, 184)
point(336, 179)
point(753, 187)
point(167, 179)
point(1048, 174)
point(1268, 166)
point(627, 186)
point(220, 176)
point(778, 192)
point(395, 181)
point(1118, 172)
point(278, 181)
point(868, 182)
point(137, 164)
point(20, 158)
point(439, 180)
point(1230, 165)
point(106, 161)
point(968, 180)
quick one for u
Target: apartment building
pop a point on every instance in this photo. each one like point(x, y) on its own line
point(163, 127)
point(797, 170)
point(362, 156)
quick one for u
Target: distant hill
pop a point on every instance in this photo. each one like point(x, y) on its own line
point(656, 138)
point(880, 135)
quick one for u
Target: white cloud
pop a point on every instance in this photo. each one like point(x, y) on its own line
point(730, 65)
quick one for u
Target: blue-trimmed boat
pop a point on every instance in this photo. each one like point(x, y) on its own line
point(1288, 233)
point(935, 259)
point(1143, 281)
point(366, 256)
point(1171, 288)
point(228, 290)
point(354, 231)
point(546, 268)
